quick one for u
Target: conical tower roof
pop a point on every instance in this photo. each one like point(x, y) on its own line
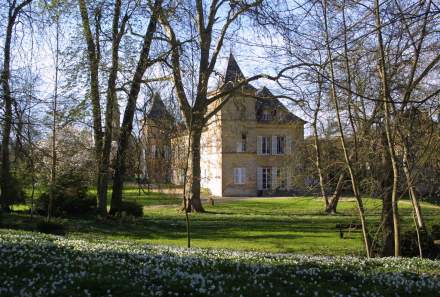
point(158, 110)
point(233, 71)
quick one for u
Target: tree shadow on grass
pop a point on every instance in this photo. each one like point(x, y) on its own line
point(252, 233)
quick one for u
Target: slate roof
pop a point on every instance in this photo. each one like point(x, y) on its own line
point(158, 110)
point(264, 98)
point(233, 72)
point(266, 101)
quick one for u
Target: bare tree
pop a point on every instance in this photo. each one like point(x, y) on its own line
point(15, 9)
point(53, 171)
point(195, 109)
point(354, 179)
point(121, 14)
point(93, 54)
point(143, 63)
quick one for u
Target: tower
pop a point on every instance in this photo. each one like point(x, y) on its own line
point(157, 128)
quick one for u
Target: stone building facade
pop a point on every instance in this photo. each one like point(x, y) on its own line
point(157, 132)
point(251, 147)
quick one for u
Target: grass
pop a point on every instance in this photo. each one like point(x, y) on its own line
point(295, 225)
point(149, 198)
point(243, 243)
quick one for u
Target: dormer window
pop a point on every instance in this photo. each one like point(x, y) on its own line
point(266, 116)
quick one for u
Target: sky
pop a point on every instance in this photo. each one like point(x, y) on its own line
point(36, 48)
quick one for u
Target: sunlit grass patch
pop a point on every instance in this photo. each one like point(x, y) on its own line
point(287, 224)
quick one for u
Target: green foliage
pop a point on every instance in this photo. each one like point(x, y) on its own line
point(18, 191)
point(70, 196)
point(435, 231)
point(51, 227)
point(410, 247)
point(132, 208)
point(434, 200)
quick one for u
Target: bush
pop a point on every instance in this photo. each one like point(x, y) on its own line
point(16, 190)
point(435, 232)
point(51, 227)
point(410, 247)
point(132, 208)
point(69, 197)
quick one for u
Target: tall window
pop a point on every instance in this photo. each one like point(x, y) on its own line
point(239, 176)
point(281, 144)
point(182, 176)
point(243, 142)
point(281, 178)
point(153, 151)
point(241, 145)
point(266, 178)
point(265, 145)
point(167, 152)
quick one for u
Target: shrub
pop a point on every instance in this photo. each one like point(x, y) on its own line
point(435, 231)
point(132, 208)
point(51, 227)
point(410, 247)
point(16, 188)
point(69, 197)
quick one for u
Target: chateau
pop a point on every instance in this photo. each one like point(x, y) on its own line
point(251, 147)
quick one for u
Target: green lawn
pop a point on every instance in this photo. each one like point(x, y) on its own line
point(262, 224)
point(243, 245)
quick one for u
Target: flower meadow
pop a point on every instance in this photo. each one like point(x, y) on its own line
point(33, 264)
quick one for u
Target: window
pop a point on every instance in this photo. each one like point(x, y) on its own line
point(167, 152)
point(281, 178)
point(243, 142)
point(153, 151)
point(265, 145)
point(266, 115)
point(281, 143)
point(239, 176)
point(182, 176)
point(266, 178)
point(241, 145)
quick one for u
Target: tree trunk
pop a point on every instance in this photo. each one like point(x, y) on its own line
point(333, 204)
point(53, 173)
point(118, 179)
point(194, 202)
point(412, 191)
point(353, 177)
point(127, 123)
point(387, 219)
point(6, 183)
point(386, 95)
point(317, 144)
point(387, 223)
point(394, 198)
point(93, 61)
point(111, 105)
point(6, 180)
